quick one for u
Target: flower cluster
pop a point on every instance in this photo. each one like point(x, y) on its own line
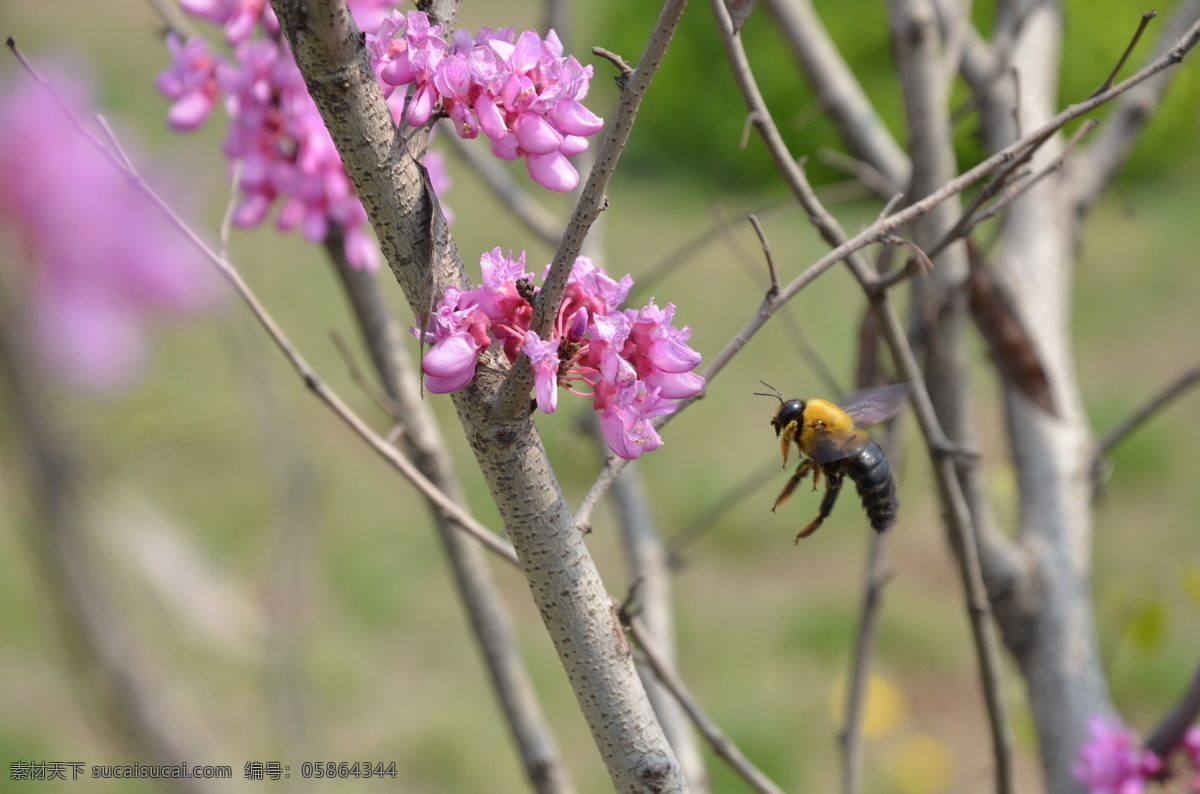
point(1112, 762)
point(519, 91)
point(275, 130)
point(102, 260)
point(633, 363)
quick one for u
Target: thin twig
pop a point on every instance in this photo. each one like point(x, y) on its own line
point(1137, 36)
point(377, 395)
point(721, 744)
point(766, 249)
point(972, 217)
point(616, 60)
point(1157, 403)
point(1026, 184)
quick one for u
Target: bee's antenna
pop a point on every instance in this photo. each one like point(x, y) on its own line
point(773, 393)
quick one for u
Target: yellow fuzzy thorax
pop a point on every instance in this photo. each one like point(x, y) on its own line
point(821, 424)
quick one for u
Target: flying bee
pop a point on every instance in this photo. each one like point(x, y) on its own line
point(831, 444)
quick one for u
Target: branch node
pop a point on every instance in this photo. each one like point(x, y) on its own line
point(616, 60)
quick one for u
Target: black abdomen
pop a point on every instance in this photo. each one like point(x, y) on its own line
point(872, 476)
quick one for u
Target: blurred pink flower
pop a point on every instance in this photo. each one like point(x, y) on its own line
point(1112, 761)
point(102, 261)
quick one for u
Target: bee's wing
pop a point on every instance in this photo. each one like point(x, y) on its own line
point(871, 406)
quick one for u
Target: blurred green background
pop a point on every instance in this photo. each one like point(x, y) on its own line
point(217, 477)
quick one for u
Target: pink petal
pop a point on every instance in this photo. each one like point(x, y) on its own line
point(536, 135)
point(451, 356)
point(190, 110)
point(552, 171)
point(491, 120)
point(572, 118)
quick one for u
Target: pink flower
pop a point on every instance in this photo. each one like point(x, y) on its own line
point(543, 357)
point(458, 332)
point(102, 262)
point(288, 161)
point(191, 81)
point(633, 364)
point(625, 420)
point(1111, 761)
point(523, 96)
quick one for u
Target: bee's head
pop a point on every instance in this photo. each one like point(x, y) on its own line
point(789, 414)
point(789, 410)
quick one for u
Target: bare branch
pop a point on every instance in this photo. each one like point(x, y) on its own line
point(766, 249)
point(1021, 187)
point(1157, 403)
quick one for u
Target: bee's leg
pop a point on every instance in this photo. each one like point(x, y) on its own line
point(833, 486)
point(801, 472)
point(785, 440)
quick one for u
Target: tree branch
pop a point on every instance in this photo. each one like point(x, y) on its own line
point(490, 620)
point(562, 576)
point(1153, 406)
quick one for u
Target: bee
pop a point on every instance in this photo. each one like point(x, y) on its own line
point(831, 444)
